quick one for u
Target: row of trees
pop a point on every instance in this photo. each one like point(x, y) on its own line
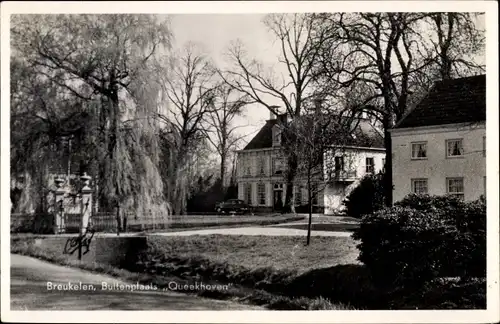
point(141, 116)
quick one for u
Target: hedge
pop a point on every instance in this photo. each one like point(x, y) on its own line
point(423, 238)
point(367, 197)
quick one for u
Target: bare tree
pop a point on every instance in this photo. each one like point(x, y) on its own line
point(381, 53)
point(319, 137)
point(221, 132)
point(396, 58)
point(457, 40)
point(300, 45)
point(189, 87)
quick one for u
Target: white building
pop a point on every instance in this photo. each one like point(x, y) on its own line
point(261, 169)
point(440, 146)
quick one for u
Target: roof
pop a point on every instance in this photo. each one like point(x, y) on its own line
point(450, 102)
point(365, 135)
point(264, 138)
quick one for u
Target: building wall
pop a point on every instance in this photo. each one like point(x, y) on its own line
point(250, 159)
point(437, 167)
point(330, 195)
point(355, 160)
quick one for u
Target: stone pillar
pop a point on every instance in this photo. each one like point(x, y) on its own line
point(86, 203)
point(59, 207)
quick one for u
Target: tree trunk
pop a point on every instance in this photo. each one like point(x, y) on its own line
point(291, 171)
point(180, 183)
point(309, 199)
point(114, 116)
point(388, 186)
point(223, 172)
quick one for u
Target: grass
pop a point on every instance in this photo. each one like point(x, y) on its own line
point(329, 227)
point(281, 265)
point(252, 252)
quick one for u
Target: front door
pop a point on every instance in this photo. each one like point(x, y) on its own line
point(278, 200)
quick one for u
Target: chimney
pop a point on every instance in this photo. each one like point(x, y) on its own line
point(272, 115)
point(282, 118)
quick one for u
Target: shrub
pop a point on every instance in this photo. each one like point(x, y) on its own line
point(32, 223)
point(423, 238)
point(430, 203)
point(367, 197)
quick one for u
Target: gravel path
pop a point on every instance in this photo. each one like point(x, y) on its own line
point(267, 231)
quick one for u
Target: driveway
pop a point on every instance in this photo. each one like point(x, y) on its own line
point(266, 231)
point(321, 226)
point(39, 285)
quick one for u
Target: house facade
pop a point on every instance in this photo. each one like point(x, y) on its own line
point(439, 148)
point(261, 168)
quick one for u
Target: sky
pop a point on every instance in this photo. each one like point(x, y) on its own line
point(215, 33)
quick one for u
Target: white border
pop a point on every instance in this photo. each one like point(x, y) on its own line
point(459, 316)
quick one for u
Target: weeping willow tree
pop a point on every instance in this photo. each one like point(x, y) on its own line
point(90, 78)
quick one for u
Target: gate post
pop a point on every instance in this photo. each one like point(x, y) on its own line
point(59, 207)
point(86, 203)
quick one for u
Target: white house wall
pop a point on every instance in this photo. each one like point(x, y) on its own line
point(355, 159)
point(330, 197)
point(437, 167)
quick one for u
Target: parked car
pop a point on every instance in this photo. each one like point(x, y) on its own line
point(233, 206)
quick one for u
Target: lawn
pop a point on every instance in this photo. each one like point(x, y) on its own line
point(252, 252)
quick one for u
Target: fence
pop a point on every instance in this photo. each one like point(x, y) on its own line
point(130, 222)
point(109, 222)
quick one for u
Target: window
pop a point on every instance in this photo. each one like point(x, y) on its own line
point(261, 193)
point(454, 148)
point(419, 150)
point(370, 166)
point(383, 165)
point(248, 193)
point(484, 145)
point(419, 186)
point(339, 163)
point(262, 168)
point(298, 195)
point(248, 167)
point(455, 186)
point(278, 166)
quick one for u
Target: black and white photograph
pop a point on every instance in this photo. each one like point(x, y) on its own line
point(263, 159)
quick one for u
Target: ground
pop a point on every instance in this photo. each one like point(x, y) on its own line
point(29, 278)
point(280, 246)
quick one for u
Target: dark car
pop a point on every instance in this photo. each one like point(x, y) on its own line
point(233, 206)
